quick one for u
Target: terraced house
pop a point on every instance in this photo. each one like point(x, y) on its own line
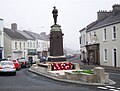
point(25, 43)
point(100, 40)
point(15, 44)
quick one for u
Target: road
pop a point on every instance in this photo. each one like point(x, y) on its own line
point(27, 81)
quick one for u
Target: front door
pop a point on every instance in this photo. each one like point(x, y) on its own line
point(114, 57)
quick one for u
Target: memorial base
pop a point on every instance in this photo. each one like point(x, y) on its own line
point(56, 58)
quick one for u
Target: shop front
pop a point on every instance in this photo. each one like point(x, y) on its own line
point(93, 54)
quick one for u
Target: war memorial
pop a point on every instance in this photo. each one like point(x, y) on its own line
point(58, 68)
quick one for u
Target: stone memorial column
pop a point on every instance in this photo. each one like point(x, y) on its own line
point(56, 41)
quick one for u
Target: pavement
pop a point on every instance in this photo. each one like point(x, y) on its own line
point(91, 66)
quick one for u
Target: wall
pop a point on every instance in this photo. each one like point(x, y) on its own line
point(19, 52)
point(7, 46)
point(109, 44)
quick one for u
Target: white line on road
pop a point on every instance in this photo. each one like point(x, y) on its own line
point(102, 88)
point(114, 90)
point(109, 86)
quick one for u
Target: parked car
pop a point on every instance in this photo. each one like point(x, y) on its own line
point(24, 63)
point(5, 59)
point(7, 67)
point(17, 64)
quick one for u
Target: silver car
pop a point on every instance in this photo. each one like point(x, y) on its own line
point(7, 67)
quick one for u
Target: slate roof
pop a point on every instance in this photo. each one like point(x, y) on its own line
point(37, 36)
point(111, 19)
point(14, 34)
point(1, 19)
point(26, 35)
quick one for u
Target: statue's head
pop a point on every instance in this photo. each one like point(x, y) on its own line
point(54, 7)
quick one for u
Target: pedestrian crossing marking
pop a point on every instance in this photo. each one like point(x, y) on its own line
point(102, 87)
point(109, 86)
point(114, 90)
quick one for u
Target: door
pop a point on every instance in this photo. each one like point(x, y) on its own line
point(115, 57)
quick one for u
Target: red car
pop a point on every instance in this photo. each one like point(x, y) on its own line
point(17, 64)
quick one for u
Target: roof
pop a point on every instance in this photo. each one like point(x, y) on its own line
point(37, 36)
point(14, 34)
point(109, 20)
point(25, 35)
point(32, 34)
point(1, 19)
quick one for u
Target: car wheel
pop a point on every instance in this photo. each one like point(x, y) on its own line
point(14, 73)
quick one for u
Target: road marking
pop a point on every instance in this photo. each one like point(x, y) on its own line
point(102, 87)
point(109, 86)
point(114, 90)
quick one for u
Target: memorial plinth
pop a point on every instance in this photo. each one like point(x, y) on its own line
point(56, 44)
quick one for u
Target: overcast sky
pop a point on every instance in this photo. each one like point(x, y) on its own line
point(36, 15)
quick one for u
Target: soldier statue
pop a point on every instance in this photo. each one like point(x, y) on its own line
point(55, 14)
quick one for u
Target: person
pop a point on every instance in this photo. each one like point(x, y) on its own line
point(88, 60)
point(55, 14)
point(84, 60)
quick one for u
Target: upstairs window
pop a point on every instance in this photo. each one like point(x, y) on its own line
point(15, 45)
point(80, 39)
point(20, 46)
point(83, 39)
point(104, 34)
point(28, 44)
point(90, 35)
point(24, 46)
point(114, 36)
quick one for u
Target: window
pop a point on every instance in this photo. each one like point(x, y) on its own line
point(83, 39)
point(114, 33)
point(105, 54)
point(104, 34)
point(90, 37)
point(80, 39)
point(20, 46)
point(28, 44)
point(34, 45)
point(15, 45)
point(24, 46)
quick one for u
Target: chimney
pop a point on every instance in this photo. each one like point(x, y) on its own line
point(14, 26)
point(103, 14)
point(43, 33)
point(116, 8)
